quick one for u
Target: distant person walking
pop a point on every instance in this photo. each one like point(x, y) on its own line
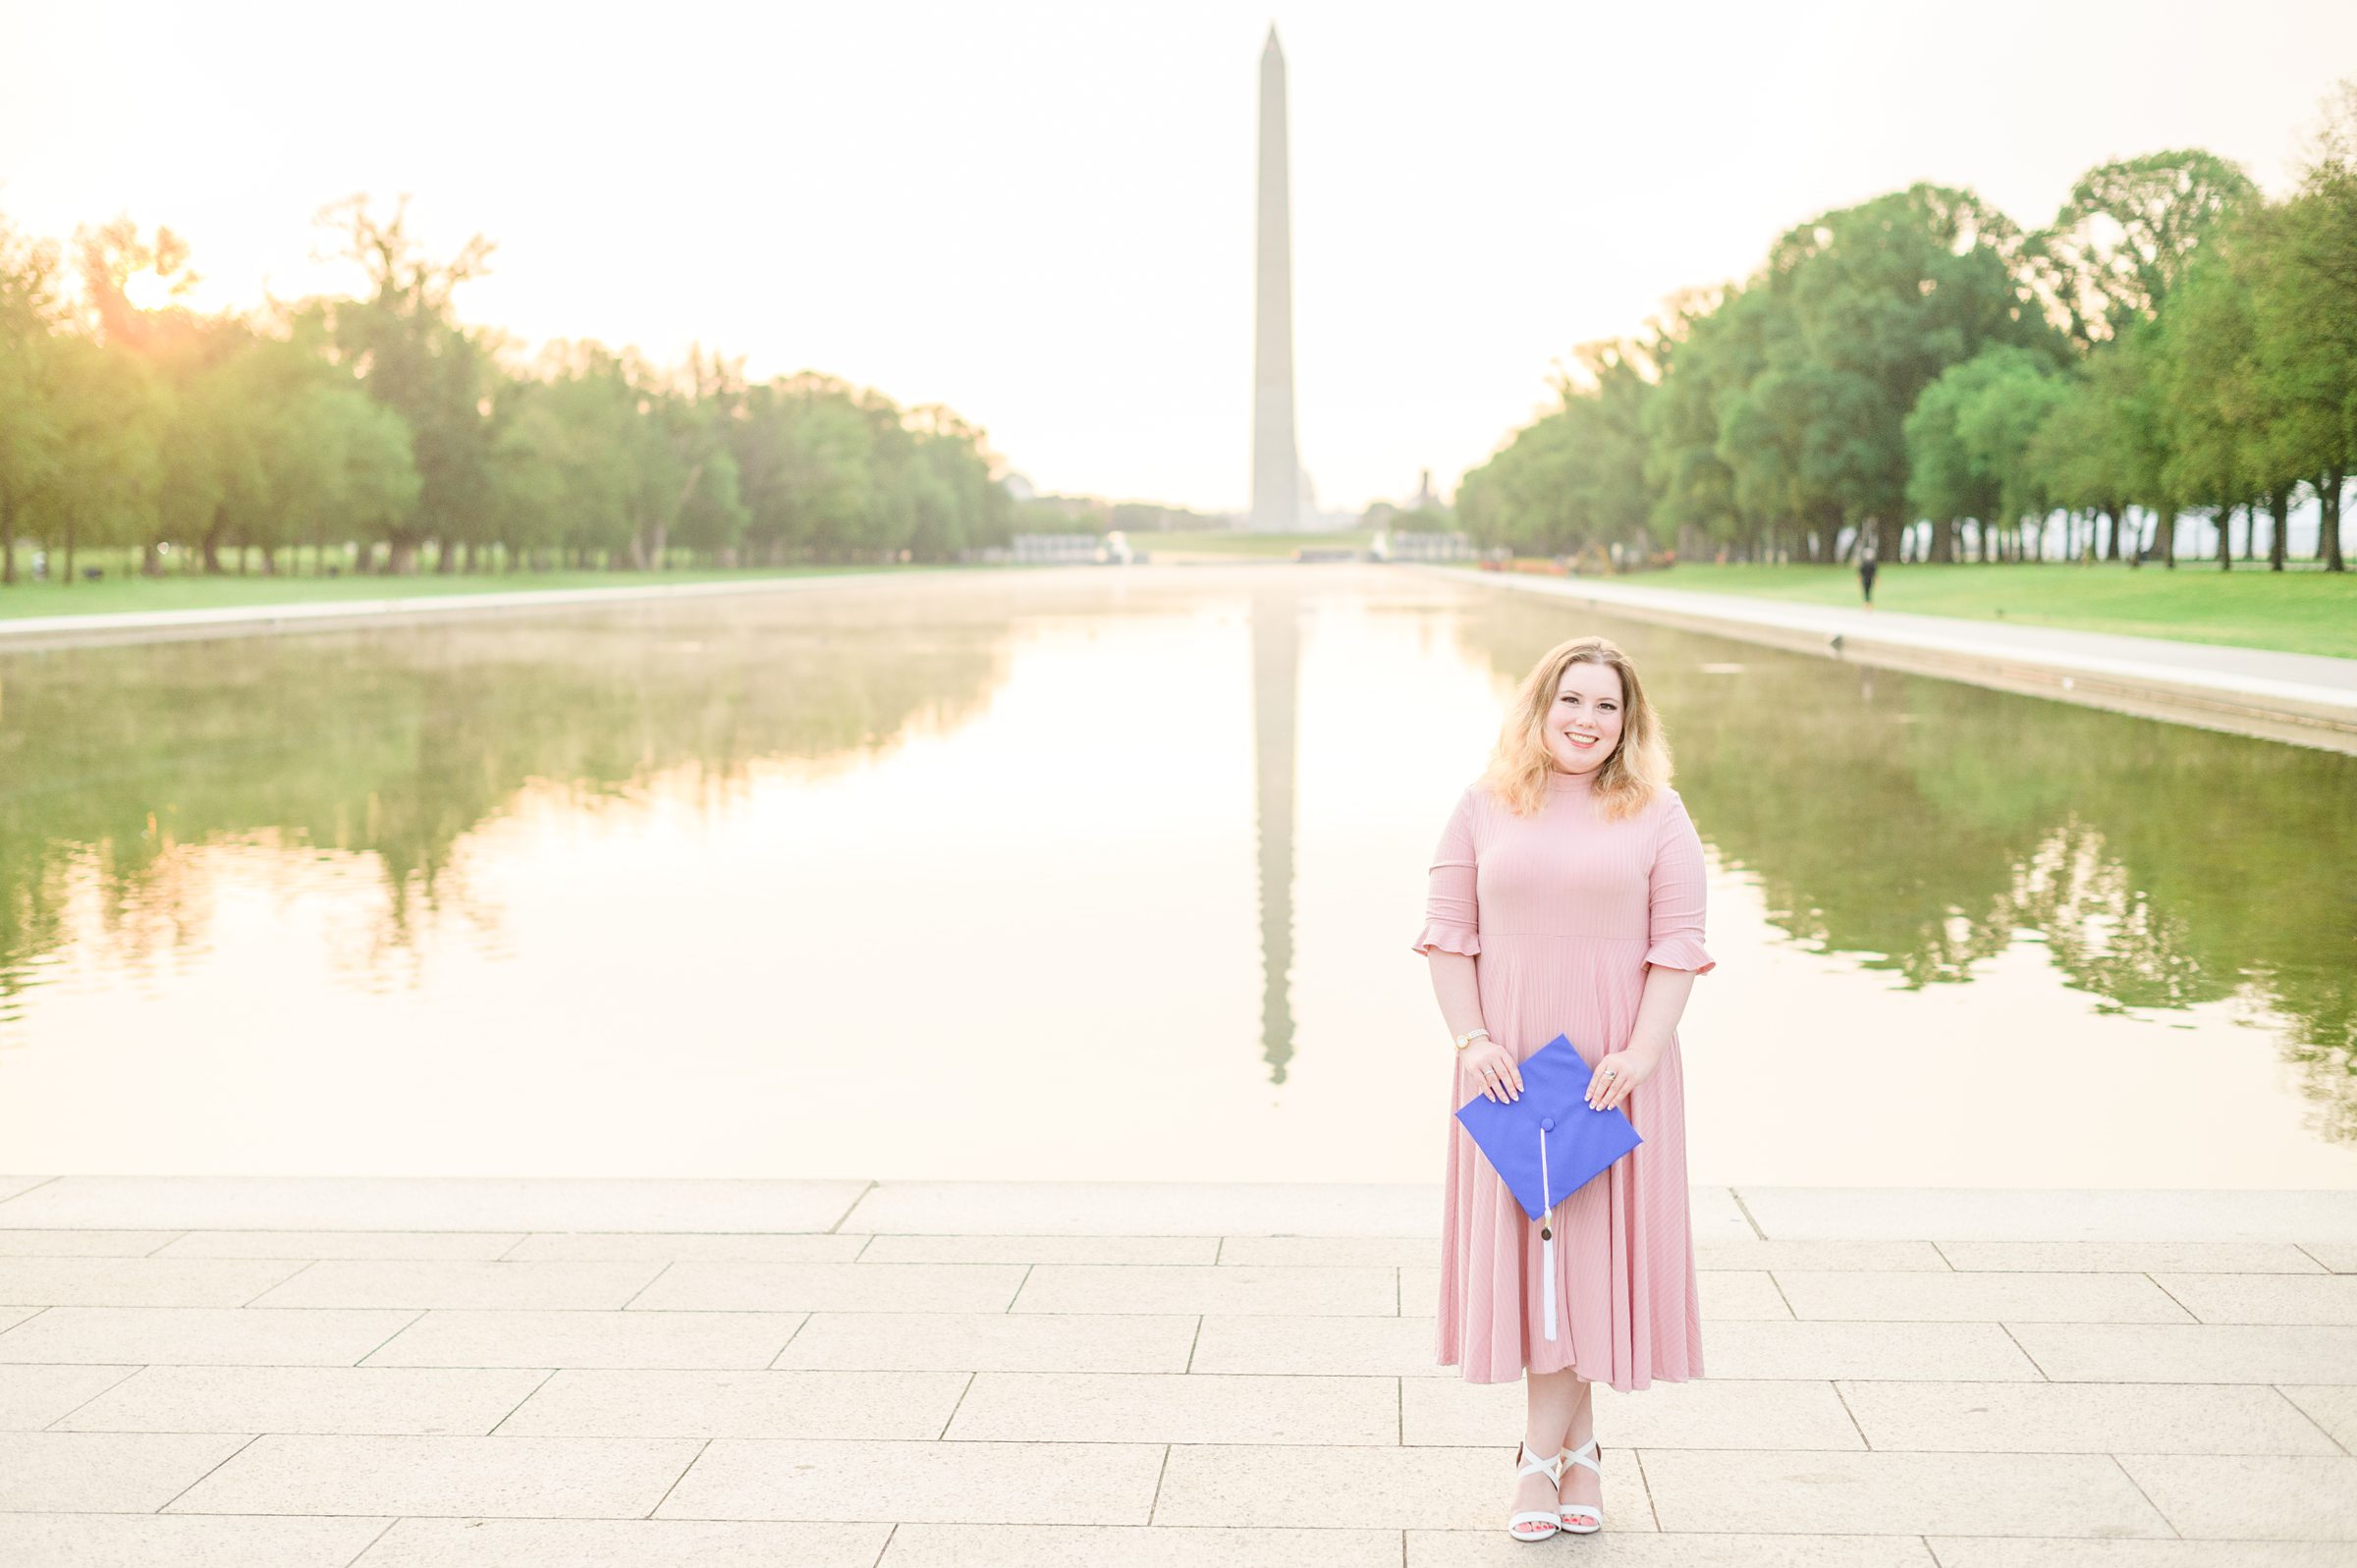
point(1567, 897)
point(1866, 573)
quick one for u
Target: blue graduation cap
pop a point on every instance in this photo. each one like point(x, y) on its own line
point(1550, 1142)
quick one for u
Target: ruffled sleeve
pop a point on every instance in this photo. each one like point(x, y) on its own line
point(1451, 915)
point(1674, 930)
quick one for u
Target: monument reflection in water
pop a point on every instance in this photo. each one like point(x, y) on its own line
point(1085, 873)
point(1276, 692)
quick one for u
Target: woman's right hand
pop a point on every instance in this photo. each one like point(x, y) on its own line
point(1494, 1067)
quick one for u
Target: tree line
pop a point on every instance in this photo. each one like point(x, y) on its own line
point(381, 433)
point(1920, 375)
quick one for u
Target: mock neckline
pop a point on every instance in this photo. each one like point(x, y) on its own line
point(1559, 778)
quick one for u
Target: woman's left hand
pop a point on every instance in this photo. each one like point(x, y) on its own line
point(1629, 1068)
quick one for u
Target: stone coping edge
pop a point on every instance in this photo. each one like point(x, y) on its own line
point(1144, 1209)
point(2298, 713)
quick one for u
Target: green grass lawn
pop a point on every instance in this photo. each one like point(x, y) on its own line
point(119, 593)
point(2295, 612)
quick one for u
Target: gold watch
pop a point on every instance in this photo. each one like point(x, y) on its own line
point(1469, 1035)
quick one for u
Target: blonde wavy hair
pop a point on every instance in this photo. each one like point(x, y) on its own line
point(1626, 780)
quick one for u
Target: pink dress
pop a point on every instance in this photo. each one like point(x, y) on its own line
point(1563, 911)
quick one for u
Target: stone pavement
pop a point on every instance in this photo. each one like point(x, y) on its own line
point(2307, 699)
point(313, 1373)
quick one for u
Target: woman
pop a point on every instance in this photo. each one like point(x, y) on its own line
point(1567, 897)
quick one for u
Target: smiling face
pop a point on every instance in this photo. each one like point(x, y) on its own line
point(1583, 724)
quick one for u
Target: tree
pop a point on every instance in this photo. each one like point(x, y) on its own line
point(2128, 231)
point(2215, 398)
point(405, 344)
point(29, 437)
point(1575, 479)
point(1997, 424)
point(1886, 296)
point(1693, 487)
point(108, 410)
point(2079, 453)
point(2306, 318)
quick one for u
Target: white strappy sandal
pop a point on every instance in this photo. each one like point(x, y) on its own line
point(1590, 1517)
point(1553, 1470)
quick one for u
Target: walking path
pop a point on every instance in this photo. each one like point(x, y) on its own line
point(2304, 698)
point(29, 632)
point(320, 1374)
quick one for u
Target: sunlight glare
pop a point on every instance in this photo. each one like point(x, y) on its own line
point(148, 289)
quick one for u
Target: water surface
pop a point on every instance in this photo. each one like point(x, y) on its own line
point(1092, 873)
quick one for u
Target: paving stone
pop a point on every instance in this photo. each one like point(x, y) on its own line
point(833, 1287)
point(1388, 1488)
point(629, 1339)
point(1716, 1216)
point(2266, 1298)
point(431, 1282)
point(1239, 1290)
point(1817, 1349)
point(1154, 1547)
point(622, 1543)
point(1988, 1551)
point(940, 1483)
point(1733, 1295)
point(83, 1243)
point(1849, 1296)
point(673, 1247)
point(10, 1186)
point(1350, 1347)
point(584, 1403)
point(2026, 1213)
point(135, 1541)
point(1703, 1413)
point(200, 1336)
point(360, 1400)
point(81, 1472)
point(2078, 1417)
point(1177, 1407)
point(1141, 1209)
point(2093, 1352)
point(2331, 1406)
point(1465, 1548)
point(576, 1478)
point(1330, 1252)
point(1042, 1249)
point(481, 1245)
point(34, 1396)
point(430, 1202)
point(2131, 1257)
point(2251, 1498)
point(993, 1341)
point(1079, 1366)
point(1914, 1256)
point(140, 1281)
point(1896, 1493)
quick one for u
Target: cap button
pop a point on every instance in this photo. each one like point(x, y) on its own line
point(1545, 1125)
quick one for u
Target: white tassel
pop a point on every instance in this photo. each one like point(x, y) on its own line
point(1547, 1235)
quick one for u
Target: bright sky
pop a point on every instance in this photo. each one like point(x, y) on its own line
point(1041, 214)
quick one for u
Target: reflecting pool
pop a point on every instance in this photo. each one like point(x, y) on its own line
point(1107, 874)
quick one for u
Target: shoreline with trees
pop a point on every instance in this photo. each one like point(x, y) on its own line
point(1921, 375)
point(379, 435)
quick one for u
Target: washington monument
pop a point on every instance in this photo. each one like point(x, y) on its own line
point(1276, 461)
